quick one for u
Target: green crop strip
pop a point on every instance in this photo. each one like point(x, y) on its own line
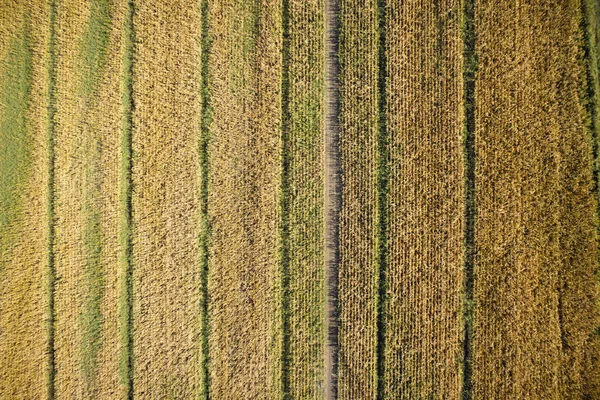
point(51, 214)
point(14, 158)
point(590, 28)
point(94, 45)
point(205, 124)
point(284, 204)
point(470, 68)
point(92, 55)
point(125, 198)
point(383, 174)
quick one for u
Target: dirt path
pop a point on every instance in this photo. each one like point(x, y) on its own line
point(332, 193)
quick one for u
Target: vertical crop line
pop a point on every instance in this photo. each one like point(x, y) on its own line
point(332, 193)
point(51, 213)
point(126, 207)
point(284, 202)
point(470, 68)
point(382, 195)
point(204, 165)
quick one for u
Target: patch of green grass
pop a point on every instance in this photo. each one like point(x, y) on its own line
point(92, 318)
point(94, 45)
point(125, 220)
point(15, 86)
point(469, 70)
point(51, 272)
point(92, 57)
point(591, 95)
point(206, 122)
point(284, 209)
point(383, 178)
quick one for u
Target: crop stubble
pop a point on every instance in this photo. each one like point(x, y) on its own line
point(167, 316)
point(24, 214)
point(425, 265)
point(536, 223)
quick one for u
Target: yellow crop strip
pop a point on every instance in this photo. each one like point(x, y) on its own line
point(536, 226)
point(166, 215)
point(358, 272)
point(244, 170)
point(424, 273)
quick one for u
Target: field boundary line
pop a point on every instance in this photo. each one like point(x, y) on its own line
point(333, 192)
point(51, 213)
point(206, 120)
point(382, 194)
point(469, 70)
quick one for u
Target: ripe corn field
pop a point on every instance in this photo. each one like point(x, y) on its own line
point(299, 199)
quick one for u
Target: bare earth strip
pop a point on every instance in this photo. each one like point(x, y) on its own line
point(24, 217)
point(304, 154)
point(536, 232)
point(244, 165)
point(166, 200)
point(90, 49)
point(332, 203)
point(358, 269)
point(425, 271)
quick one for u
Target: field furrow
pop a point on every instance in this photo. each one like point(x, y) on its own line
point(359, 216)
point(245, 315)
point(25, 358)
point(536, 227)
point(166, 214)
point(87, 147)
point(425, 262)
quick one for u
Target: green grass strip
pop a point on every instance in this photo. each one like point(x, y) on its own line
point(205, 124)
point(125, 207)
point(92, 55)
point(470, 69)
point(52, 66)
point(383, 177)
point(94, 46)
point(284, 204)
point(590, 28)
point(15, 158)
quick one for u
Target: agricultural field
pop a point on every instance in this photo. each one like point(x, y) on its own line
point(299, 199)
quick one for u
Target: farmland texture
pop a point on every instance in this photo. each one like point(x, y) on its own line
point(299, 199)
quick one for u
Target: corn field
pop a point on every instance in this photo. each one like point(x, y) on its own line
point(299, 199)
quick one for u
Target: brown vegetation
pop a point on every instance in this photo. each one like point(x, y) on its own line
point(358, 268)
